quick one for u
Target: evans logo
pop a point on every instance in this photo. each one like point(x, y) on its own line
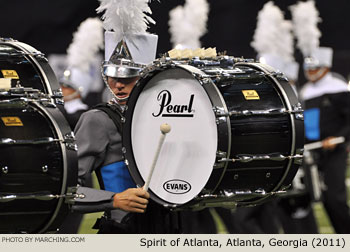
point(177, 186)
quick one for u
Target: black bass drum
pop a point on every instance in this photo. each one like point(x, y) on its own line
point(38, 162)
point(236, 134)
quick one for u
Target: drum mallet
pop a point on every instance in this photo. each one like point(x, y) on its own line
point(164, 128)
point(316, 145)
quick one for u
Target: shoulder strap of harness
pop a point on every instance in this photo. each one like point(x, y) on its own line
point(113, 112)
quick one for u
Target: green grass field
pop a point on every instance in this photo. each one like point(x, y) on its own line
point(322, 219)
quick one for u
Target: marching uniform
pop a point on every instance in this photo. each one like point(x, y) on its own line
point(327, 113)
point(104, 156)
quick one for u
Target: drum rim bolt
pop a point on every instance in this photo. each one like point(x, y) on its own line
point(5, 169)
point(235, 177)
point(268, 175)
point(45, 168)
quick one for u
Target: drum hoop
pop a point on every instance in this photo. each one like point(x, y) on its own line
point(32, 53)
point(126, 133)
point(289, 107)
point(209, 87)
point(65, 169)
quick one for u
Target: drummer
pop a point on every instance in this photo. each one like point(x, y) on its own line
point(98, 136)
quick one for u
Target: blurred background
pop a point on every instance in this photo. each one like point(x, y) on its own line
point(49, 25)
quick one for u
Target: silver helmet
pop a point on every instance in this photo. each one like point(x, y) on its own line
point(127, 57)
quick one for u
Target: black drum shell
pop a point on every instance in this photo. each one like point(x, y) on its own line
point(26, 175)
point(36, 99)
point(250, 182)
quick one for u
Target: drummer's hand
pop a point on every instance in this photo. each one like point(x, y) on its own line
point(327, 145)
point(131, 200)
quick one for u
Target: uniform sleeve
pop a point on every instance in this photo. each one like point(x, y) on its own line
point(93, 201)
point(92, 140)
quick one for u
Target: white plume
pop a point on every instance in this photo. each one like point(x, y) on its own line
point(305, 18)
point(125, 16)
point(188, 23)
point(273, 35)
point(87, 41)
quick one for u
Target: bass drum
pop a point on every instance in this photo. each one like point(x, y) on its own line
point(38, 163)
point(236, 133)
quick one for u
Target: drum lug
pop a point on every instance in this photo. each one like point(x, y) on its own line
point(49, 105)
point(72, 194)
point(205, 80)
point(5, 169)
point(126, 162)
point(45, 168)
point(59, 101)
point(298, 111)
point(279, 75)
point(221, 119)
point(221, 154)
point(72, 146)
point(69, 139)
point(58, 96)
point(69, 136)
point(298, 160)
point(299, 151)
point(219, 111)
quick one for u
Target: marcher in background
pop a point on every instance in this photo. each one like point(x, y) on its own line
point(327, 113)
point(76, 82)
point(78, 71)
point(73, 104)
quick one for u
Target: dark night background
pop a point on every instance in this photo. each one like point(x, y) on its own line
point(48, 25)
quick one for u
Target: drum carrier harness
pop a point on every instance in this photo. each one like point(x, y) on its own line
point(114, 112)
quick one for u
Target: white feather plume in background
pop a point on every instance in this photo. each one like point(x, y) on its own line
point(125, 16)
point(187, 24)
point(87, 41)
point(305, 19)
point(273, 34)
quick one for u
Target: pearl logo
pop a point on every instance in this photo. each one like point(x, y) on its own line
point(166, 109)
point(177, 186)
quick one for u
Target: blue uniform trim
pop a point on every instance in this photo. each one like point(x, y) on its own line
point(312, 124)
point(116, 177)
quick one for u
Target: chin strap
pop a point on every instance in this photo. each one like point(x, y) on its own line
point(121, 99)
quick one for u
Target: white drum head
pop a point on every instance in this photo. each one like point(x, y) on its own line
point(188, 154)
